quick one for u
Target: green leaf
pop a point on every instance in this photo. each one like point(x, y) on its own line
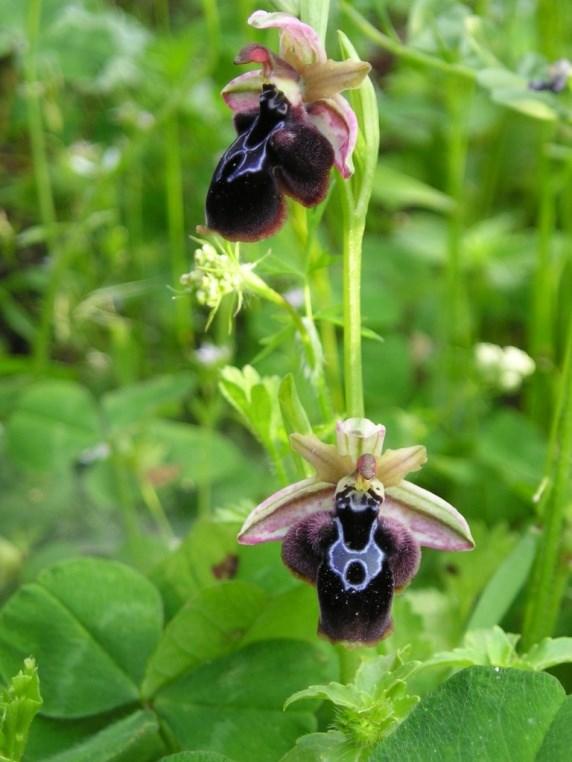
point(53, 422)
point(135, 737)
point(224, 618)
point(201, 455)
point(292, 614)
point(293, 412)
point(558, 742)
point(535, 107)
point(364, 102)
point(97, 50)
point(322, 747)
point(521, 468)
point(207, 554)
point(92, 625)
point(315, 13)
point(129, 404)
point(493, 647)
point(396, 189)
point(294, 417)
point(496, 648)
point(481, 713)
point(372, 705)
point(210, 625)
point(505, 584)
point(19, 703)
point(234, 704)
point(512, 90)
point(255, 398)
point(196, 756)
point(549, 652)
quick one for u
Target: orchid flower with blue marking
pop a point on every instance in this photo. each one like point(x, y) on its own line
point(293, 126)
point(355, 528)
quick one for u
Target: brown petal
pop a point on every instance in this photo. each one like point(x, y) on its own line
point(323, 80)
point(329, 465)
point(394, 465)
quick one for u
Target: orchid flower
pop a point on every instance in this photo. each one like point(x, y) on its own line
point(292, 125)
point(355, 528)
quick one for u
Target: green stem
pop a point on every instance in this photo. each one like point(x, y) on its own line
point(398, 49)
point(125, 497)
point(550, 25)
point(43, 185)
point(306, 233)
point(541, 327)
point(212, 19)
point(546, 588)
point(352, 254)
point(262, 289)
point(356, 194)
point(315, 13)
point(333, 379)
point(456, 327)
point(176, 212)
point(155, 507)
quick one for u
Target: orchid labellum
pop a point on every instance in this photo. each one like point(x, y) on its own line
point(293, 126)
point(356, 527)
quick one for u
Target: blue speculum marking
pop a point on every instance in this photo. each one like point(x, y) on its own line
point(249, 152)
point(343, 559)
point(355, 556)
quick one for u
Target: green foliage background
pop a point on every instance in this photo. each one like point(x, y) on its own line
point(125, 470)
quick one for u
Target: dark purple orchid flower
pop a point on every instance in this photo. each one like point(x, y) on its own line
point(292, 125)
point(273, 155)
point(355, 529)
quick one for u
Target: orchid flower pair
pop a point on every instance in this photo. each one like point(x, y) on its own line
point(293, 126)
point(355, 528)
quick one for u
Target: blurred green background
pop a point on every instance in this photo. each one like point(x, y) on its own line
point(110, 127)
point(115, 435)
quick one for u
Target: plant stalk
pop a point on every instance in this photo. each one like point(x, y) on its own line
point(176, 210)
point(352, 258)
point(43, 186)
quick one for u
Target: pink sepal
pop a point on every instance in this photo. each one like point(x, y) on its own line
point(433, 522)
point(243, 92)
point(299, 43)
point(272, 519)
point(337, 122)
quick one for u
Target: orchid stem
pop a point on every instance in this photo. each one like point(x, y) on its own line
point(457, 332)
point(352, 252)
point(356, 194)
point(541, 328)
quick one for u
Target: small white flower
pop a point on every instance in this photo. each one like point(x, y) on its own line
point(503, 367)
point(518, 361)
point(210, 354)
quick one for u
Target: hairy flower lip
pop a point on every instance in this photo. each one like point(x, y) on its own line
point(433, 521)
